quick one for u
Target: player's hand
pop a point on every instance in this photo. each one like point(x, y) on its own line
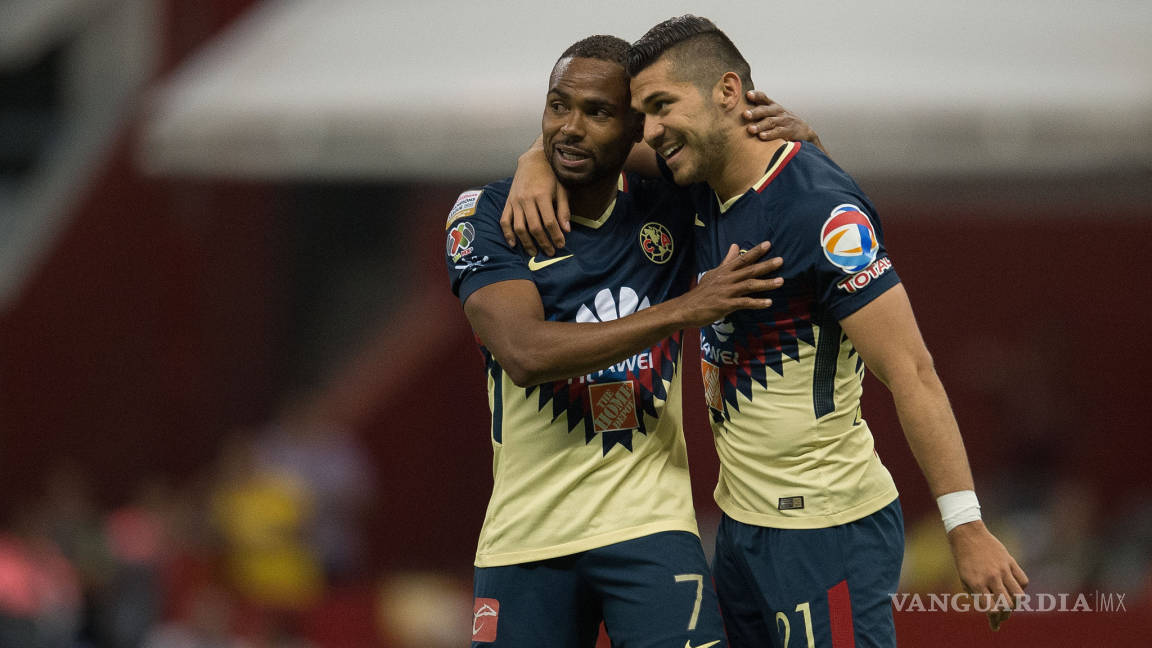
point(529, 216)
point(729, 286)
point(769, 120)
point(987, 569)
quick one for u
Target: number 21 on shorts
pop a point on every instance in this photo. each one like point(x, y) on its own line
point(785, 627)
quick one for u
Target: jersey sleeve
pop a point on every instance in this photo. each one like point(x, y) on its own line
point(475, 250)
point(846, 243)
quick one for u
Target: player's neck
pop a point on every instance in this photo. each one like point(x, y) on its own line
point(743, 166)
point(589, 201)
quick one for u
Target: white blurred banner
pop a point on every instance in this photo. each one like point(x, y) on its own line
point(445, 90)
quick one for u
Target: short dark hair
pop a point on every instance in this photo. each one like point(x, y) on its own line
point(699, 51)
point(603, 47)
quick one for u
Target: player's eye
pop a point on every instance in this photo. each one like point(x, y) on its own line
point(655, 107)
point(557, 107)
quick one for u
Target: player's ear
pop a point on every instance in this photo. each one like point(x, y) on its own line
point(728, 92)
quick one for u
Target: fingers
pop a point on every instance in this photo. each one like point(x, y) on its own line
point(544, 229)
point(1002, 602)
point(756, 272)
point(535, 224)
point(751, 279)
point(732, 255)
point(748, 262)
point(532, 223)
point(760, 101)
point(779, 127)
point(766, 118)
point(506, 225)
point(549, 236)
point(745, 266)
point(991, 602)
point(522, 216)
point(752, 303)
point(999, 592)
point(764, 114)
point(773, 121)
point(737, 258)
point(562, 212)
point(995, 619)
point(1013, 585)
point(750, 286)
point(744, 272)
point(554, 232)
point(769, 284)
point(1019, 574)
point(772, 131)
point(764, 267)
point(1014, 582)
point(769, 126)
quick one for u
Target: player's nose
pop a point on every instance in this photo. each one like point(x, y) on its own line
point(574, 125)
point(653, 132)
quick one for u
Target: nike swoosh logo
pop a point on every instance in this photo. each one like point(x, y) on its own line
point(535, 265)
point(688, 644)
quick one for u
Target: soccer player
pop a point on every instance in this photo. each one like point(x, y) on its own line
point(591, 517)
point(811, 539)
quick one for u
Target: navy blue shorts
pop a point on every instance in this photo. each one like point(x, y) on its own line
point(809, 588)
point(654, 591)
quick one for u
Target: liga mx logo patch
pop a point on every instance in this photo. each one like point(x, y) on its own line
point(656, 241)
point(459, 241)
point(848, 239)
point(465, 206)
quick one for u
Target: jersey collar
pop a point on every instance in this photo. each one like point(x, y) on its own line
point(779, 160)
point(621, 185)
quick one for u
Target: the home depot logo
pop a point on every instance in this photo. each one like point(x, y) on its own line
point(613, 406)
point(712, 394)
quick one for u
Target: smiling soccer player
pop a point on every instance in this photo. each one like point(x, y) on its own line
point(812, 535)
point(591, 515)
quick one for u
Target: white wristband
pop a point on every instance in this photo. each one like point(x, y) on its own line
point(958, 508)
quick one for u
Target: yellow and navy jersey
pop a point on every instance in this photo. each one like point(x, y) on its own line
point(783, 384)
point(597, 459)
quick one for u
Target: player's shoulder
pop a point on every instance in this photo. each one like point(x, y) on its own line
point(815, 217)
point(817, 171)
point(480, 203)
point(809, 205)
point(815, 188)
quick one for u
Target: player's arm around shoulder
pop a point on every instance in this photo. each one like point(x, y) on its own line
point(510, 319)
point(537, 213)
point(885, 333)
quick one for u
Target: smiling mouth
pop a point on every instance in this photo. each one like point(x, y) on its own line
point(570, 155)
point(668, 152)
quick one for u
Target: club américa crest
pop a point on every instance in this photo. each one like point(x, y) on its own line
point(656, 241)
